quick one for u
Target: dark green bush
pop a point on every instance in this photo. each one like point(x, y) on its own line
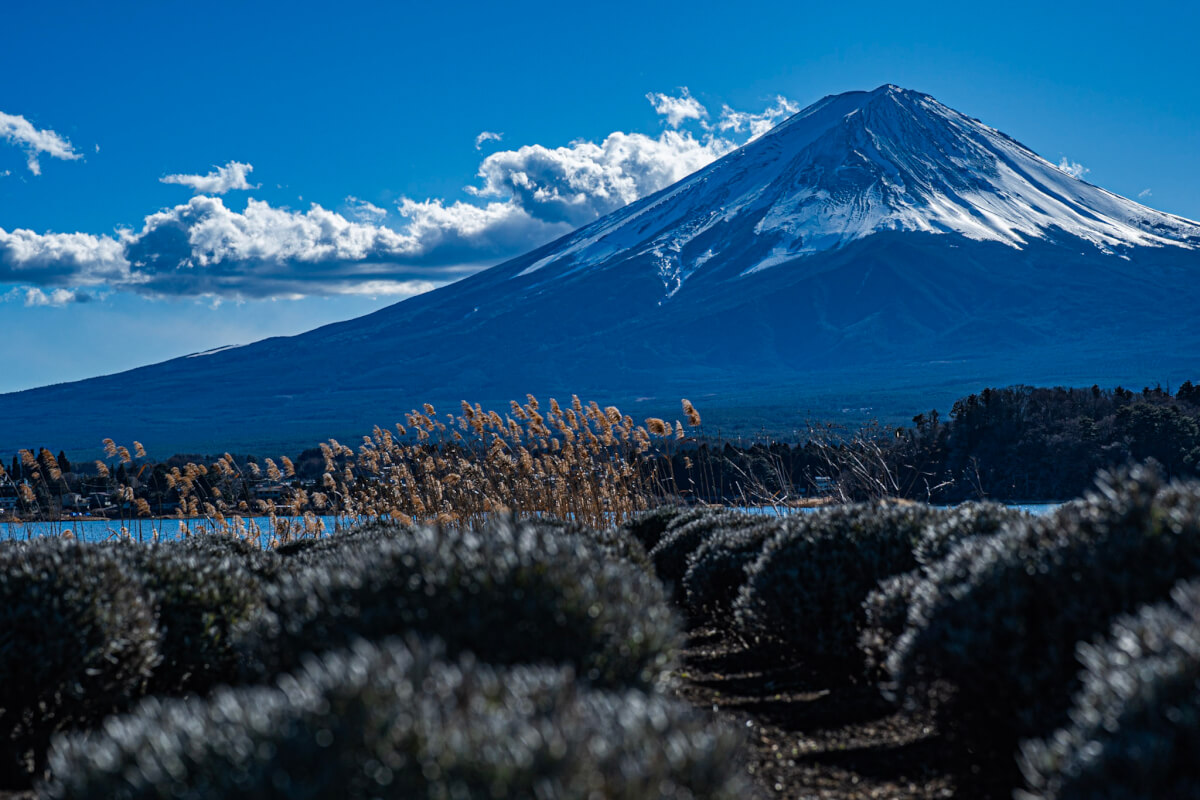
point(396, 722)
point(77, 641)
point(990, 645)
point(616, 542)
point(200, 596)
point(885, 611)
point(263, 563)
point(885, 618)
point(950, 526)
point(717, 570)
point(686, 533)
point(804, 594)
point(299, 546)
point(1135, 724)
point(649, 526)
point(514, 592)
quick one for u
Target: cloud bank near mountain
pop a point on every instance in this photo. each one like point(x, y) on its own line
point(524, 198)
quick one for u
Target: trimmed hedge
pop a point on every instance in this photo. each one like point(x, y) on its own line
point(885, 618)
point(885, 611)
point(616, 542)
point(78, 641)
point(263, 563)
point(990, 646)
point(717, 570)
point(1135, 724)
point(393, 721)
point(804, 594)
point(951, 526)
point(514, 592)
point(200, 597)
point(684, 536)
point(649, 526)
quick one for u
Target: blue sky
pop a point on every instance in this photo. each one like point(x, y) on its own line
point(372, 112)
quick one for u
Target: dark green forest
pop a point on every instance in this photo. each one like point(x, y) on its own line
point(1011, 444)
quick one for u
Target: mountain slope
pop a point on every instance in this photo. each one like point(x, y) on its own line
point(877, 248)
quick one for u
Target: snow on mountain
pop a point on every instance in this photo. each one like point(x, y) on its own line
point(855, 164)
point(877, 249)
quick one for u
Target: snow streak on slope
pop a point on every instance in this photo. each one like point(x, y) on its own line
point(852, 165)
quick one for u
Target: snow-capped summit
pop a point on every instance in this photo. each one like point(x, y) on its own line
point(878, 249)
point(855, 164)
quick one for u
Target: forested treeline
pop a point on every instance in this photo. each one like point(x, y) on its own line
point(1016, 443)
point(1011, 444)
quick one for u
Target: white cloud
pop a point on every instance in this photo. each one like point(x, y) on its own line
point(56, 297)
point(221, 180)
point(19, 131)
point(1144, 193)
point(1073, 168)
point(5, 173)
point(364, 211)
point(677, 109)
point(61, 259)
point(525, 198)
point(204, 248)
point(584, 180)
point(487, 136)
point(756, 124)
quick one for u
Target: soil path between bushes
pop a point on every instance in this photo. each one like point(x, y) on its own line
point(808, 739)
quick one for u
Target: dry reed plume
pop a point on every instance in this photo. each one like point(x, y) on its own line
point(577, 462)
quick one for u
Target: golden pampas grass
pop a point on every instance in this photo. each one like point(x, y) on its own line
point(656, 426)
point(578, 461)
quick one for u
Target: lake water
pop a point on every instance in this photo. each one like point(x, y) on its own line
point(146, 530)
point(158, 529)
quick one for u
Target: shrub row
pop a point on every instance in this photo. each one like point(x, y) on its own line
point(804, 593)
point(809, 584)
point(717, 569)
point(88, 629)
point(395, 721)
point(514, 592)
point(201, 597)
point(649, 526)
point(989, 646)
point(886, 608)
point(685, 534)
point(78, 640)
point(1135, 723)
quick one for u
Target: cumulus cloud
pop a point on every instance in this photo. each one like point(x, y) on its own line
point(584, 180)
point(21, 132)
point(364, 211)
point(224, 179)
point(55, 297)
point(677, 109)
point(1144, 193)
point(203, 248)
point(61, 259)
point(1073, 168)
point(524, 198)
point(487, 136)
point(756, 124)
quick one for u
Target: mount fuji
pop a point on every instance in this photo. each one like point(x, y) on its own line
point(878, 249)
